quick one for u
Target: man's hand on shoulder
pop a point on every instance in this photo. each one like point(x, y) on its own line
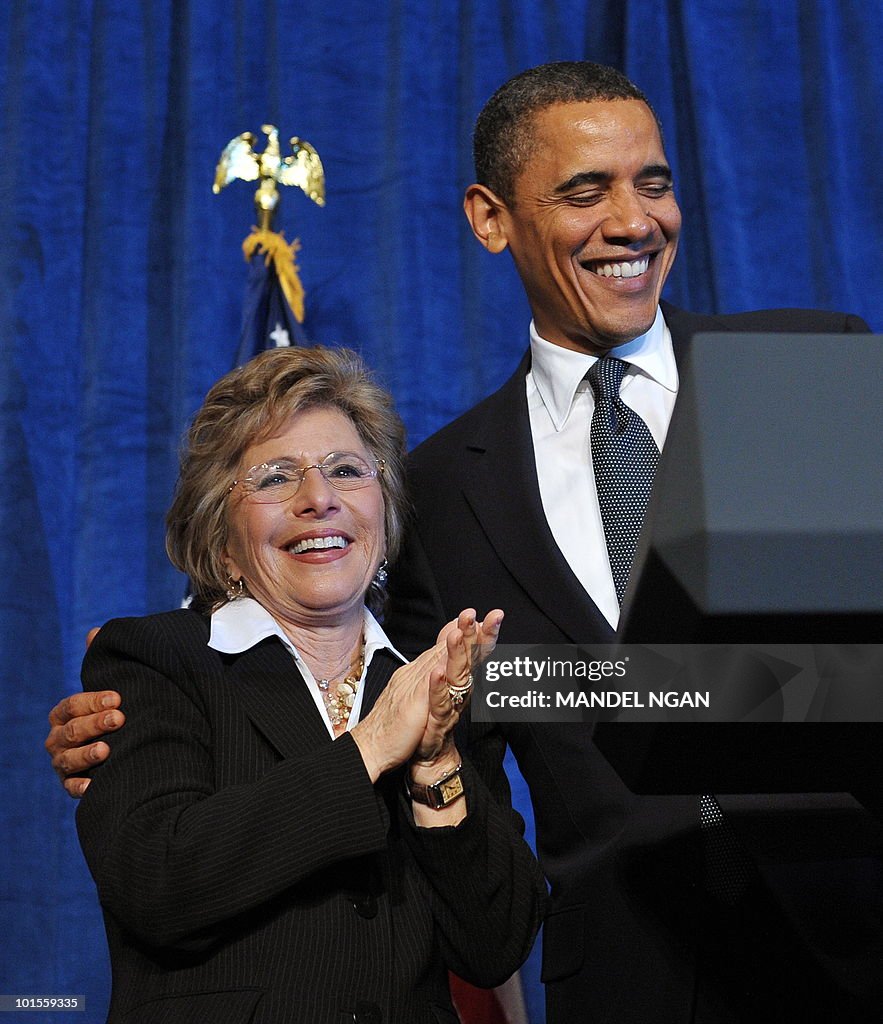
point(74, 723)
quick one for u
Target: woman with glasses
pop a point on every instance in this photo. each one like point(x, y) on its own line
point(285, 829)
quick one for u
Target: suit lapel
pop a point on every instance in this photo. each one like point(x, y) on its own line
point(269, 686)
point(382, 666)
point(501, 455)
point(266, 681)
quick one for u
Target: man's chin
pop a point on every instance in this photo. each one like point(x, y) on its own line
point(605, 337)
point(588, 335)
point(602, 345)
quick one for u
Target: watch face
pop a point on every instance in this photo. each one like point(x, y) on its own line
point(451, 788)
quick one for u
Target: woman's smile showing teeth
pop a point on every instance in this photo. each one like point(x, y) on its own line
point(317, 544)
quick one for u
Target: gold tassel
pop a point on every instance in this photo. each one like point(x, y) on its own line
point(272, 246)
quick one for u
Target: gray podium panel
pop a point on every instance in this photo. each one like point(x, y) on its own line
point(766, 526)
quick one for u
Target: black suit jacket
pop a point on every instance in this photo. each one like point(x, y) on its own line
point(248, 869)
point(630, 935)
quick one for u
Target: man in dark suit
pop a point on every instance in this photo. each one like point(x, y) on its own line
point(573, 180)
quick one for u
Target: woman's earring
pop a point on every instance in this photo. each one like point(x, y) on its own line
point(235, 588)
point(381, 576)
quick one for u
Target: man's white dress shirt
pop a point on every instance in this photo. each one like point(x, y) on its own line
point(560, 404)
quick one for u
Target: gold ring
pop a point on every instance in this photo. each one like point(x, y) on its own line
point(465, 688)
point(458, 694)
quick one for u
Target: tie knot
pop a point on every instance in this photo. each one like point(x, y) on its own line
point(606, 376)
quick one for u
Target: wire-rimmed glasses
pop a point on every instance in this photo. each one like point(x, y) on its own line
point(273, 482)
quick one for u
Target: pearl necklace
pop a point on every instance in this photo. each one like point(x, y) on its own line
point(339, 701)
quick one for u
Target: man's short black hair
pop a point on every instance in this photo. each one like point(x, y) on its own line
point(502, 140)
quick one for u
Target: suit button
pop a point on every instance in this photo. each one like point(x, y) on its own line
point(366, 905)
point(367, 1013)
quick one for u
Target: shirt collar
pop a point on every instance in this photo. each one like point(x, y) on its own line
point(240, 624)
point(558, 372)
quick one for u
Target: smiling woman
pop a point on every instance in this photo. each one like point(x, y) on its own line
point(284, 827)
point(241, 424)
point(313, 555)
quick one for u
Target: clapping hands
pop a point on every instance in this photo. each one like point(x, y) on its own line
point(415, 715)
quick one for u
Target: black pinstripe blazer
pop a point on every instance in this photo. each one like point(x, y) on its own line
point(249, 871)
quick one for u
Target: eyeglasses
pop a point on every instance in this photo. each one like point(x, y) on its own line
point(272, 482)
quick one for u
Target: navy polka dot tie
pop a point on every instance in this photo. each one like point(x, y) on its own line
point(624, 457)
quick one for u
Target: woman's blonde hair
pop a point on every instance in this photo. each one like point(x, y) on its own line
point(246, 407)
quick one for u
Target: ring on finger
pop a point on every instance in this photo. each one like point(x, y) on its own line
point(458, 694)
point(465, 688)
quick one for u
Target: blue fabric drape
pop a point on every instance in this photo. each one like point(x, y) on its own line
point(122, 282)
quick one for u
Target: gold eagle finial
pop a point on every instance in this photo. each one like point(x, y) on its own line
point(302, 168)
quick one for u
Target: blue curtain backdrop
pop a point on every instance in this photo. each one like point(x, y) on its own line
point(121, 279)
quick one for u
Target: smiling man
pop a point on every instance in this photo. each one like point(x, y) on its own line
point(591, 221)
point(573, 180)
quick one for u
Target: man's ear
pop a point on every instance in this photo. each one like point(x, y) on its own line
point(486, 214)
